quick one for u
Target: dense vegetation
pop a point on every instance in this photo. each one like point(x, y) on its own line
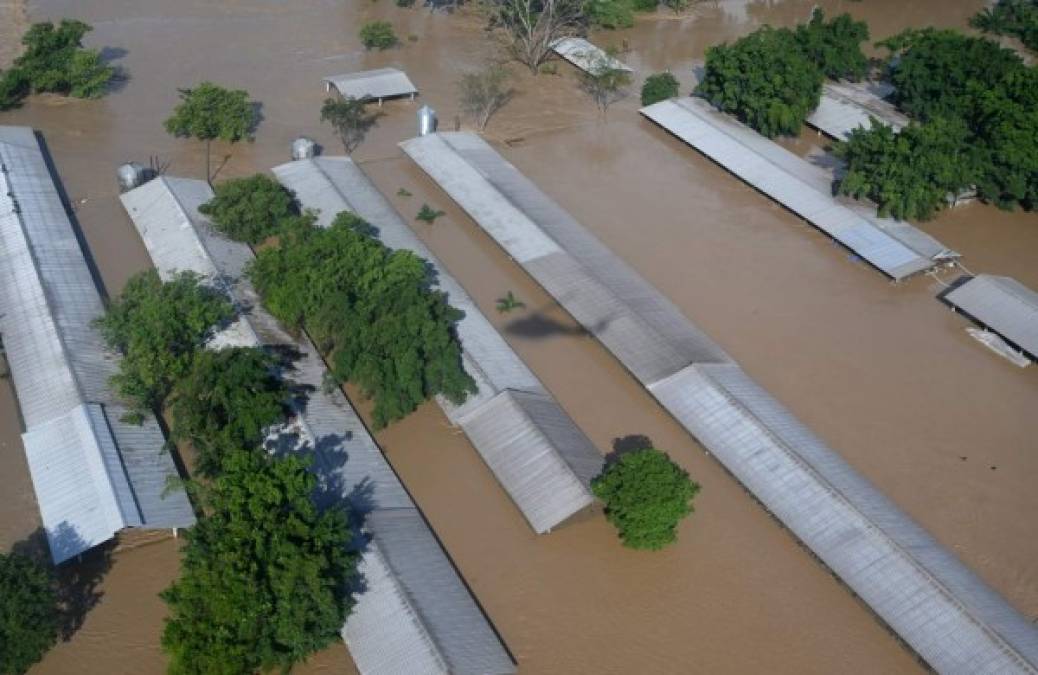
point(646, 495)
point(1011, 17)
point(370, 309)
point(977, 105)
point(659, 87)
point(250, 209)
point(55, 61)
point(210, 112)
point(158, 327)
point(226, 402)
point(378, 35)
point(772, 78)
point(264, 579)
point(29, 620)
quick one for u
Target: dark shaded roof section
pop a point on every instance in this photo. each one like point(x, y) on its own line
point(1002, 304)
point(919, 588)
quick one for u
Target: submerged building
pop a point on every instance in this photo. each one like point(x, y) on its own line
point(413, 612)
point(1002, 305)
point(929, 598)
point(531, 445)
point(93, 472)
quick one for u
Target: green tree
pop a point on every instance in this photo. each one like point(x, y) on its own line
point(659, 87)
point(29, 620)
point(158, 327)
point(646, 495)
point(371, 310)
point(1011, 17)
point(1006, 119)
point(209, 112)
point(250, 209)
point(350, 119)
point(610, 14)
point(378, 35)
point(835, 47)
point(908, 174)
point(265, 576)
point(227, 401)
point(764, 79)
point(14, 86)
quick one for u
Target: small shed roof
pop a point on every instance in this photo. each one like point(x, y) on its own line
point(373, 84)
point(896, 248)
point(586, 56)
point(845, 106)
point(61, 371)
point(548, 473)
point(1002, 304)
point(934, 602)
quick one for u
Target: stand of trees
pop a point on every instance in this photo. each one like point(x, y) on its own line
point(772, 78)
point(646, 495)
point(1011, 17)
point(371, 310)
point(250, 209)
point(659, 87)
point(977, 110)
point(29, 618)
point(55, 61)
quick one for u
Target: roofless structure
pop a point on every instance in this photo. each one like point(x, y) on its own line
point(894, 247)
point(531, 445)
point(371, 85)
point(846, 106)
point(586, 56)
point(1000, 304)
point(415, 614)
point(920, 589)
point(93, 473)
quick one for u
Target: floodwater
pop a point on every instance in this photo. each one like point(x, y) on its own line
point(884, 373)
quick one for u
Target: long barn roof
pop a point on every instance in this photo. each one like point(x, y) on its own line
point(1002, 304)
point(392, 628)
point(93, 473)
point(934, 602)
point(894, 247)
point(537, 453)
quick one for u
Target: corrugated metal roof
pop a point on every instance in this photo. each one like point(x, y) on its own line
point(48, 302)
point(933, 601)
point(531, 472)
point(1002, 304)
point(896, 248)
point(585, 55)
point(373, 84)
point(845, 106)
point(384, 631)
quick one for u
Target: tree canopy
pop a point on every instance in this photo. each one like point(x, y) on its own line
point(372, 310)
point(378, 35)
point(158, 327)
point(764, 79)
point(1010, 17)
point(265, 575)
point(227, 401)
point(55, 61)
point(209, 112)
point(659, 87)
point(646, 495)
point(350, 119)
point(250, 209)
point(834, 46)
point(29, 620)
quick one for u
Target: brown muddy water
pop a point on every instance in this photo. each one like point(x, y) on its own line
point(885, 374)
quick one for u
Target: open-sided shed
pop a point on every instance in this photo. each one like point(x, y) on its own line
point(1001, 304)
point(372, 85)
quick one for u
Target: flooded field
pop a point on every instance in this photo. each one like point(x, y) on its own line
point(884, 373)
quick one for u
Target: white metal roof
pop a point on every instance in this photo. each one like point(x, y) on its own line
point(1002, 304)
point(934, 602)
point(373, 84)
point(845, 106)
point(548, 474)
point(61, 368)
point(896, 248)
point(386, 629)
point(586, 56)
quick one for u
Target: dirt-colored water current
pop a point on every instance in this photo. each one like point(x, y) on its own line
point(884, 373)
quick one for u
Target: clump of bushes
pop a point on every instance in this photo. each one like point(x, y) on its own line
point(55, 61)
point(772, 78)
point(610, 14)
point(646, 495)
point(378, 35)
point(29, 619)
point(250, 209)
point(1011, 17)
point(371, 310)
point(659, 87)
